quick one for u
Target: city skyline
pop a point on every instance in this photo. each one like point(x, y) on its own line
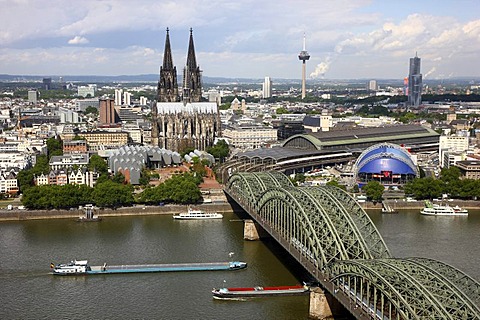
point(365, 39)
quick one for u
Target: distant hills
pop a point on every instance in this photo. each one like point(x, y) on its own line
point(153, 78)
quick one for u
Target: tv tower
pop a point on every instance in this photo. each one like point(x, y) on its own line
point(304, 56)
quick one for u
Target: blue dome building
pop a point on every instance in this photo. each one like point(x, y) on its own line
point(387, 163)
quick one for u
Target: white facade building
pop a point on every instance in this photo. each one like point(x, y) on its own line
point(84, 91)
point(8, 182)
point(267, 88)
point(127, 98)
point(68, 161)
point(249, 137)
point(452, 144)
point(118, 97)
point(13, 159)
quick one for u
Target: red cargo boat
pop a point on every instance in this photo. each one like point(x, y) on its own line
point(229, 293)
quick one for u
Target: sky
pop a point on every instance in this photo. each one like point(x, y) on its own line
point(346, 39)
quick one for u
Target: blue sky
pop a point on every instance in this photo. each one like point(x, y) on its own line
point(243, 38)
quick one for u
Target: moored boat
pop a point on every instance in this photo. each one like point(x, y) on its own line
point(387, 209)
point(81, 267)
point(195, 214)
point(442, 210)
point(89, 214)
point(232, 293)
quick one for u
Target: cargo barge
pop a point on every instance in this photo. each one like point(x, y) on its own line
point(81, 267)
point(232, 293)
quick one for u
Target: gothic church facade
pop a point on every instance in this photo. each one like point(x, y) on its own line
point(180, 119)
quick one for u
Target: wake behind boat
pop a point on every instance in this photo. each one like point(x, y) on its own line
point(232, 293)
point(195, 214)
point(81, 267)
point(442, 210)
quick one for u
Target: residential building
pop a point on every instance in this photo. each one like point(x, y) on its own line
point(8, 182)
point(41, 180)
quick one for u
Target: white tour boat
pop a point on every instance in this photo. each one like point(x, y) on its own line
point(195, 214)
point(442, 210)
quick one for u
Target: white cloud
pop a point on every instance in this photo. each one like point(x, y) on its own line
point(265, 37)
point(78, 40)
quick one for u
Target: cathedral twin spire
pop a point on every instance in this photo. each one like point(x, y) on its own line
point(167, 90)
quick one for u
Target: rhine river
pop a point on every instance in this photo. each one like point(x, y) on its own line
point(28, 291)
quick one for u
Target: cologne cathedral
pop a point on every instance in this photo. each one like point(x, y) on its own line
point(180, 119)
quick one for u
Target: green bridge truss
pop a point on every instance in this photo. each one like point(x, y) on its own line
point(334, 235)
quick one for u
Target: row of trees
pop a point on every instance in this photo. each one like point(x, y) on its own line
point(113, 193)
point(449, 183)
point(105, 194)
point(181, 188)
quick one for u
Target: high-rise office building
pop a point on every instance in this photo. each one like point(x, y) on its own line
point(267, 88)
point(32, 96)
point(47, 83)
point(107, 111)
point(372, 85)
point(118, 97)
point(414, 91)
point(127, 96)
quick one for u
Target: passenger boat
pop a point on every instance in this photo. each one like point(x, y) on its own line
point(195, 214)
point(81, 267)
point(232, 293)
point(442, 210)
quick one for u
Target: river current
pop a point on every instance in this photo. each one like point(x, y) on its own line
point(28, 291)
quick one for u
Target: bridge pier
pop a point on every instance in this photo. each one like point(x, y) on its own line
point(252, 230)
point(324, 306)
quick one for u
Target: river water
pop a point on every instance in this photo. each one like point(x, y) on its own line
point(28, 291)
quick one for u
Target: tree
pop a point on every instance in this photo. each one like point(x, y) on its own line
point(282, 110)
point(97, 163)
point(91, 110)
point(298, 178)
point(56, 197)
point(334, 183)
point(181, 188)
point(355, 189)
point(144, 177)
point(111, 194)
point(425, 188)
point(373, 190)
point(220, 150)
point(118, 177)
point(54, 147)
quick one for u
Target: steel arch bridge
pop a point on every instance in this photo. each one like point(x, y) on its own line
point(326, 230)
